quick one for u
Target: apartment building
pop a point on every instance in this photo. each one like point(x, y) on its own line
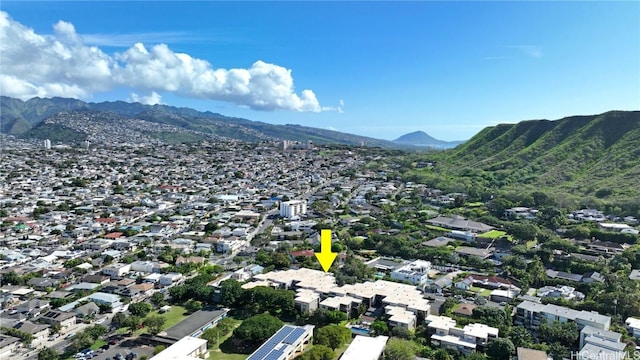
point(530, 315)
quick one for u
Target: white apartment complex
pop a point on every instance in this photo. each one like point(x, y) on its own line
point(531, 314)
point(416, 272)
point(465, 340)
point(293, 208)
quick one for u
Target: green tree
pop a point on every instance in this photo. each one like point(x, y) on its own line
point(158, 299)
point(48, 354)
point(442, 354)
point(119, 319)
point(380, 327)
point(132, 322)
point(96, 331)
point(193, 305)
point(158, 349)
point(400, 349)
point(257, 328)
point(230, 292)
point(154, 323)
point(140, 309)
point(500, 349)
point(318, 352)
point(332, 336)
point(520, 336)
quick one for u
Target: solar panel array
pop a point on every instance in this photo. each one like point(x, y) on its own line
point(287, 335)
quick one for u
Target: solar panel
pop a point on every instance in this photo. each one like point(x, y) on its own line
point(293, 336)
point(265, 350)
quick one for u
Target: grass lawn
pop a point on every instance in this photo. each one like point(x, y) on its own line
point(172, 317)
point(475, 204)
point(216, 353)
point(340, 350)
point(531, 244)
point(493, 234)
point(433, 227)
point(96, 345)
point(481, 291)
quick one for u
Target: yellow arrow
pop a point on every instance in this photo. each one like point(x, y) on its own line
point(325, 256)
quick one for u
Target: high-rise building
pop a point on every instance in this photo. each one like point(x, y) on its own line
point(47, 144)
point(289, 209)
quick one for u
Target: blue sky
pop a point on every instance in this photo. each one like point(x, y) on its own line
point(378, 69)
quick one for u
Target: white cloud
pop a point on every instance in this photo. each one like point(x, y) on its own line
point(62, 64)
point(152, 99)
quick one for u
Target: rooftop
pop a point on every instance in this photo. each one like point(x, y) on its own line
point(365, 348)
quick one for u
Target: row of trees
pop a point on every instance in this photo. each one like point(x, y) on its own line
point(258, 300)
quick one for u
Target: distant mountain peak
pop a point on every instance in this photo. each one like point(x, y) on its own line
point(421, 138)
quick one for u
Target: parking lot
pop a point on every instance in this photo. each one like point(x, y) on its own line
point(125, 347)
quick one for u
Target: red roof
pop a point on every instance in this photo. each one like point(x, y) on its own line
point(113, 235)
point(306, 253)
point(106, 220)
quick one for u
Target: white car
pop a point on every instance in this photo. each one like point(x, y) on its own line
point(100, 321)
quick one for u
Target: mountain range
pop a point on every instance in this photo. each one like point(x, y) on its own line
point(422, 139)
point(27, 119)
point(595, 155)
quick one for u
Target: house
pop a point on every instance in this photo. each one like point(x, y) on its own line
point(465, 310)
point(459, 223)
point(111, 300)
point(141, 290)
point(117, 270)
point(96, 279)
point(9, 345)
point(39, 332)
point(42, 284)
point(87, 310)
point(170, 279)
point(33, 308)
point(62, 319)
point(633, 326)
point(531, 354)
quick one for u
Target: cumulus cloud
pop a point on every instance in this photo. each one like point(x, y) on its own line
point(152, 99)
point(62, 64)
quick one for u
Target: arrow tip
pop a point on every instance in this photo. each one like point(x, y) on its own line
point(326, 259)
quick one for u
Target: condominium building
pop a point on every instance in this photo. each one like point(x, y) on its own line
point(293, 208)
point(530, 315)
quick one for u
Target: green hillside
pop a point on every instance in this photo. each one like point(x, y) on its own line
point(594, 156)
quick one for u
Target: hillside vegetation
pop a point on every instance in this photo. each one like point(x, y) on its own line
point(585, 156)
point(19, 117)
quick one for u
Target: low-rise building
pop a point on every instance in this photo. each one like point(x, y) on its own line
point(365, 348)
point(187, 348)
point(531, 314)
point(62, 319)
point(466, 340)
point(117, 270)
point(633, 326)
point(286, 344)
point(416, 273)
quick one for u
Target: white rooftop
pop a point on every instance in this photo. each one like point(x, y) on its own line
point(365, 348)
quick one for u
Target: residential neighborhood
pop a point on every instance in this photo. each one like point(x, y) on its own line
point(137, 250)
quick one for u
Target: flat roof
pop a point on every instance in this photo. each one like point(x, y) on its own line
point(282, 342)
point(194, 322)
point(365, 348)
point(181, 349)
